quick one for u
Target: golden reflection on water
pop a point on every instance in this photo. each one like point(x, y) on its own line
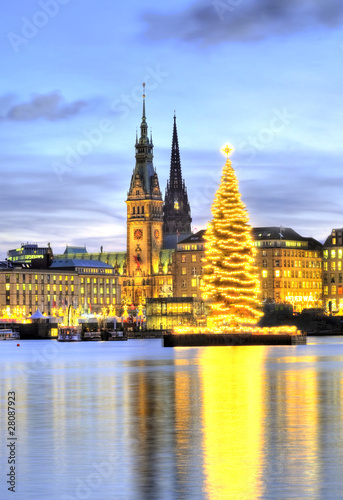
point(260, 425)
point(233, 420)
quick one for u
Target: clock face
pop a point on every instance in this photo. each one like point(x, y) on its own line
point(138, 234)
point(157, 234)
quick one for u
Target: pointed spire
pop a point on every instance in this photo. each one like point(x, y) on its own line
point(144, 126)
point(176, 217)
point(143, 117)
point(175, 163)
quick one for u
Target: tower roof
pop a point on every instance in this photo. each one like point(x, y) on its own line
point(177, 213)
point(175, 176)
point(144, 177)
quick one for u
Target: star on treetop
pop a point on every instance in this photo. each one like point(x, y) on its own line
point(227, 150)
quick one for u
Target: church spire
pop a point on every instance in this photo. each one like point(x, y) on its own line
point(175, 177)
point(176, 212)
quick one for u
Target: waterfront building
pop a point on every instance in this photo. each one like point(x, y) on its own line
point(83, 284)
point(290, 267)
point(31, 254)
point(332, 271)
point(164, 313)
point(187, 266)
point(176, 209)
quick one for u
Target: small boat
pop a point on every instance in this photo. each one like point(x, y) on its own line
point(116, 335)
point(69, 334)
point(9, 335)
point(92, 335)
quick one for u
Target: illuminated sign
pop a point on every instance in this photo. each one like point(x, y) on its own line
point(299, 298)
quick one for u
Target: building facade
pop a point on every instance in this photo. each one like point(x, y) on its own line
point(290, 267)
point(187, 266)
point(84, 285)
point(333, 272)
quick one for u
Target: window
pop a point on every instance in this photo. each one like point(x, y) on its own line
point(184, 270)
point(264, 274)
point(277, 274)
point(194, 282)
point(194, 258)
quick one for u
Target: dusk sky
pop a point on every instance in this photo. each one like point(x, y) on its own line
point(264, 75)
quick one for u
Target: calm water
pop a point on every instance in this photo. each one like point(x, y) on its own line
point(133, 420)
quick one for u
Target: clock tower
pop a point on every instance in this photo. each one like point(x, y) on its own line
point(144, 213)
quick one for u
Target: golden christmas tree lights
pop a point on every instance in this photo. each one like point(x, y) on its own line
point(230, 282)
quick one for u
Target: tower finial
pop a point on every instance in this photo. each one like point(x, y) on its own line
point(143, 101)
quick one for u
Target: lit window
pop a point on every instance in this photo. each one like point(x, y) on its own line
point(277, 274)
point(264, 274)
point(194, 258)
point(194, 282)
point(183, 258)
point(333, 254)
point(184, 270)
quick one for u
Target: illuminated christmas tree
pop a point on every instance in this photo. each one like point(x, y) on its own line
point(230, 282)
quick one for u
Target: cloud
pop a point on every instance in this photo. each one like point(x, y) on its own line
point(243, 20)
point(49, 106)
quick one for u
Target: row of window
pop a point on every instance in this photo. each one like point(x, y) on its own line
point(35, 278)
point(293, 263)
point(292, 274)
point(194, 271)
point(334, 290)
point(184, 258)
point(292, 253)
point(296, 284)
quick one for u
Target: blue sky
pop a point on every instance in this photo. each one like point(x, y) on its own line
point(263, 75)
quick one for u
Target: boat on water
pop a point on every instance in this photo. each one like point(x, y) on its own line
point(9, 334)
point(69, 334)
point(117, 335)
point(92, 335)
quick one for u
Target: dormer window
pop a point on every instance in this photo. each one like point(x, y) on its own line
point(137, 192)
